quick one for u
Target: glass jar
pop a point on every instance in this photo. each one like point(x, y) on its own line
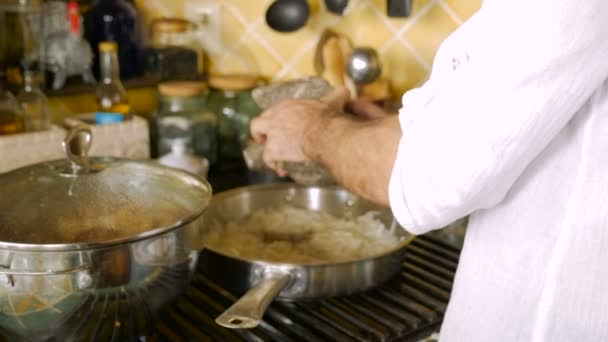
point(170, 32)
point(230, 98)
point(173, 54)
point(21, 43)
point(34, 103)
point(182, 114)
point(11, 115)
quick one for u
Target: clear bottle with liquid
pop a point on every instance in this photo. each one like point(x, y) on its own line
point(11, 115)
point(111, 95)
point(34, 103)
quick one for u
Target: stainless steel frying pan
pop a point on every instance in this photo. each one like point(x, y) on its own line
point(263, 281)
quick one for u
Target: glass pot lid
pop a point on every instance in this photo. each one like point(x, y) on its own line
point(82, 202)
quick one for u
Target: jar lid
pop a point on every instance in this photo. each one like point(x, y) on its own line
point(181, 88)
point(82, 202)
point(234, 82)
point(170, 25)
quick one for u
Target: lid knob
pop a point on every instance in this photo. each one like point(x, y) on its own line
point(77, 144)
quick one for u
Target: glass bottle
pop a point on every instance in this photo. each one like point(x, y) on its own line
point(117, 21)
point(11, 115)
point(182, 114)
point(111, 95)
point(34, 103)
point(176, 36)
point(21, 41)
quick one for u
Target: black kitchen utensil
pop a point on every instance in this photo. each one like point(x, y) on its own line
point(399, 8)
point(287, 15)
point(336, 6)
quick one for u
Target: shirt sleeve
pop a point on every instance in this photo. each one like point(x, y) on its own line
point(468, 135)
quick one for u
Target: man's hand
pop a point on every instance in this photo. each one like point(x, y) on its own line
point(366, 109)
point(358, 148)
point(289, 128)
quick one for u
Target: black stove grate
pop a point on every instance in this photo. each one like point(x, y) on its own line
point(406, 308)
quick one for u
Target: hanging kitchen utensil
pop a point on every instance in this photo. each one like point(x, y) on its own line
point(399, 8)
point(336, 6)
point(363, 65)
point(287, 15)
point(264, 281)
point(330, 58)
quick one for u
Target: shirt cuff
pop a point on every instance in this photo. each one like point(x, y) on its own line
point(412, 104)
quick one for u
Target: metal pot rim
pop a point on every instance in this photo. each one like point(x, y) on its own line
point(275, 264)
point(81, 164)
point(68, 247)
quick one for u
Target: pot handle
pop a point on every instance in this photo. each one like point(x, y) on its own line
point(9, 274)
point(84, 266)
point(9, 271)
point(248, 311)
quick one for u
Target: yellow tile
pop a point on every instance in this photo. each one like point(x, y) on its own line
point(321, 19)
point(268, 65)
point(364, 27)
point(229, 64)
point(239, 60)
point(464, 8)
point(305, 65)
point(148, 13)
point(251, 10)
point(232, 29)
point(397, 23)
point(366, 23)
point(401, 67)
point(292, 74)
point(315, 6)
point(287, 44)
point(429, 32)
point(161, 8)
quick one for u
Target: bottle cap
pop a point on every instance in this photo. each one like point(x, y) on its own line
point(108, 47)
point(181, 88)
point(170, 25)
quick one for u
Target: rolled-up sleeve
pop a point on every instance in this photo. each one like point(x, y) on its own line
point(468, 136)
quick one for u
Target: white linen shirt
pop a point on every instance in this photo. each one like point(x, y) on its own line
point(512, 129)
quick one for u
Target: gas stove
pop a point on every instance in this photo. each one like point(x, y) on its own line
point(406, 308)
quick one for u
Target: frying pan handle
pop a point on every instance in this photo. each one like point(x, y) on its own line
point(248, 311)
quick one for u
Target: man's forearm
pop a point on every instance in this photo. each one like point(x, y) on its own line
point(360, 154)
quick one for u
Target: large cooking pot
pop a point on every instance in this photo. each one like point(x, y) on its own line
point(80, 232)
point(263, 281)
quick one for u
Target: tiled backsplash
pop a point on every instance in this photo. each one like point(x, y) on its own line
point(406, 45)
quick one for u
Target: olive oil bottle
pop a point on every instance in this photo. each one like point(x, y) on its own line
point(111, 95)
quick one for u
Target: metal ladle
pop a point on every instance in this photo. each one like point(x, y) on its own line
point(363, 65)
